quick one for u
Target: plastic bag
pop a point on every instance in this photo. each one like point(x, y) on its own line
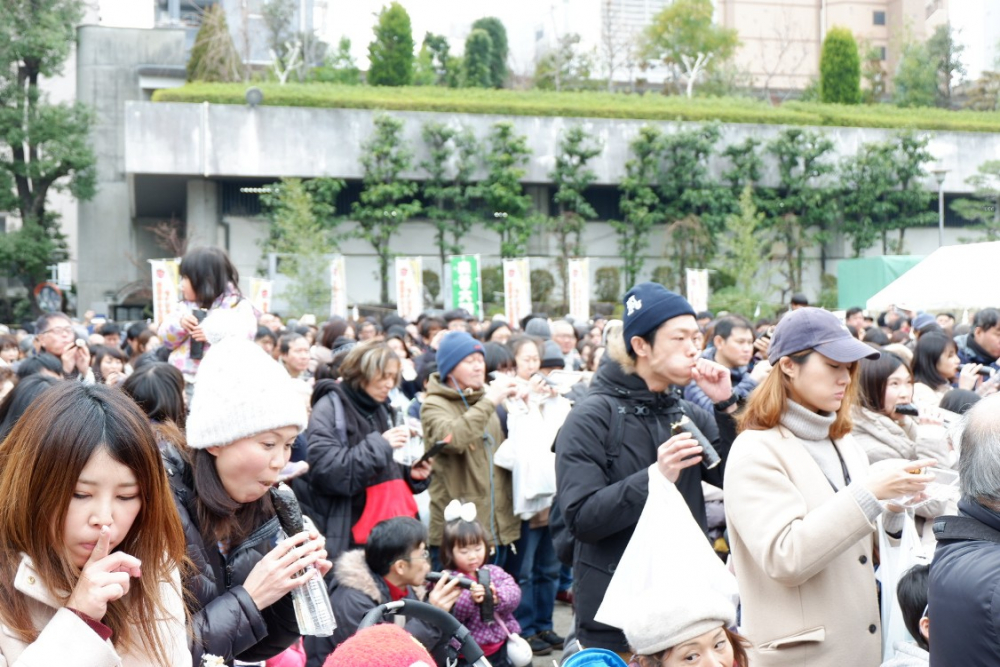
point(527, 453)
point(895, 558)
point(667, 555)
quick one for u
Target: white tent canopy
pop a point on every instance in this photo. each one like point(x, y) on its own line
point(952, 277)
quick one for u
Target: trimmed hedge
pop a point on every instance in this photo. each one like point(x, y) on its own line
point(589, 104)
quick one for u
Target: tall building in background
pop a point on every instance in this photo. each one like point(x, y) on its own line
point(781, 41)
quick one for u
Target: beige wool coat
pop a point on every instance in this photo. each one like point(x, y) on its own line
point(802, 555)
point(66, 640)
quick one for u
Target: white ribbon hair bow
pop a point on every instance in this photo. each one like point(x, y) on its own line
point(457, 510)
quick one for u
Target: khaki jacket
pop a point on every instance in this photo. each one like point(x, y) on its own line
point(66, 640)
point(464, 469)
point(802, 554)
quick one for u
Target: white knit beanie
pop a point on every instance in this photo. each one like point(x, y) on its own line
point(240, 391)
point(689, 613)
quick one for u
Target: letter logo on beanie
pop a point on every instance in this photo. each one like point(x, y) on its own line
point(633, 304)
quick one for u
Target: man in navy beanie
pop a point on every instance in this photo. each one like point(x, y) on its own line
point(624, 426)
point(460, 404)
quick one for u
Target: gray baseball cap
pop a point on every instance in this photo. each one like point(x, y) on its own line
point(820, 330)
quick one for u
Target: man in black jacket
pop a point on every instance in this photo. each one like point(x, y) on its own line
point(394, 560)
point(624, 426)
point(965, 574)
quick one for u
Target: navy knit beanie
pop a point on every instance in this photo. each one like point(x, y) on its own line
point(454, 347)
point(647, 306)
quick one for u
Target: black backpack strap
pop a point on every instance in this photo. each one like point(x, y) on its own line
point(613, 446)
point(964, 528)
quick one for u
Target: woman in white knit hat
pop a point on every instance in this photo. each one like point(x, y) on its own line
point(690, 629)
point(244, 417)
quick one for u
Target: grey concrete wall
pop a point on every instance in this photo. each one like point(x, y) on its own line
point(268, 142)
point(106, 79)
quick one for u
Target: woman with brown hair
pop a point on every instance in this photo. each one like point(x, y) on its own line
point(353, 480)
point(802, 503)
point(91, 542)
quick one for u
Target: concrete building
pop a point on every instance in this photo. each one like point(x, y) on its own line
point(781, 41)
point(207, 177)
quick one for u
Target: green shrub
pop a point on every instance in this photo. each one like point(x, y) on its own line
point(542, 285)
point(608, 283)
point(840, 68)
point(588, 104)
point(492, 283)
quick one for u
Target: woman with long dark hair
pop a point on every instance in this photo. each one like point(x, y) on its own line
point(802, 502)
point(92, 545)
point(937, 369)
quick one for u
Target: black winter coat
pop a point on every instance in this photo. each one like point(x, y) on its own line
point(332, 493)
point(224, 619)
point(602, 494)
point(964, 592)
point(356, 591)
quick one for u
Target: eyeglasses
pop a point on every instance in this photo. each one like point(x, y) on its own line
point(59, 331)
point(425, 555)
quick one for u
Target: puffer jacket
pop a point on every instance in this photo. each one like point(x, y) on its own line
point(356, 591)
point(332, 493)
point(464, 469)
point(743, 384)
point(963, 592)
point(601, 494)
point(65, 639)
point(971, 352)
point(224, 619)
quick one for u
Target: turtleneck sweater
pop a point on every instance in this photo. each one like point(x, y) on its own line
point(813, 430)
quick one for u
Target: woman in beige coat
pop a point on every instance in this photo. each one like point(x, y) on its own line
point(801, 504)
point(91, 538)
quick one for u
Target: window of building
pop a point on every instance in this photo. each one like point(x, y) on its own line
point(878, 18)
point(882, 53)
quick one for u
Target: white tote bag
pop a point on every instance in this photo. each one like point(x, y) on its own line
point(668, 552)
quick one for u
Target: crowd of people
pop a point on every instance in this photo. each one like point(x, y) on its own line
point(490, 470)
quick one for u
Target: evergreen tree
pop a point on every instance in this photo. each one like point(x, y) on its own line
point(867, 179)
point(387, 200)
point(915, 83)
point(640, 203)
point(743, 259)
point(571, 177)
point(302, 234)
point(564, 67)
point(984, 209)
point(446, 194)
point(507, 207)
point(802, 207)
point(910, 158)
point(478, 59)
point(498, 48)
point(43, 146)
point(946, 56)
point(339, 67)
point(214, 56)
point(840, 68)
point(391, 52)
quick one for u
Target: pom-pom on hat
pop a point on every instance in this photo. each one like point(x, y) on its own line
point(647, 306)
point(820, 330)
point(240, 391)
point(454, 347)
point(383, 645)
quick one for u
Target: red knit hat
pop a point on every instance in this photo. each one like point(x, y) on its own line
point(383, 645)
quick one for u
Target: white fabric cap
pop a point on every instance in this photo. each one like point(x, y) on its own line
point(240, 391)
point(688, 614)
